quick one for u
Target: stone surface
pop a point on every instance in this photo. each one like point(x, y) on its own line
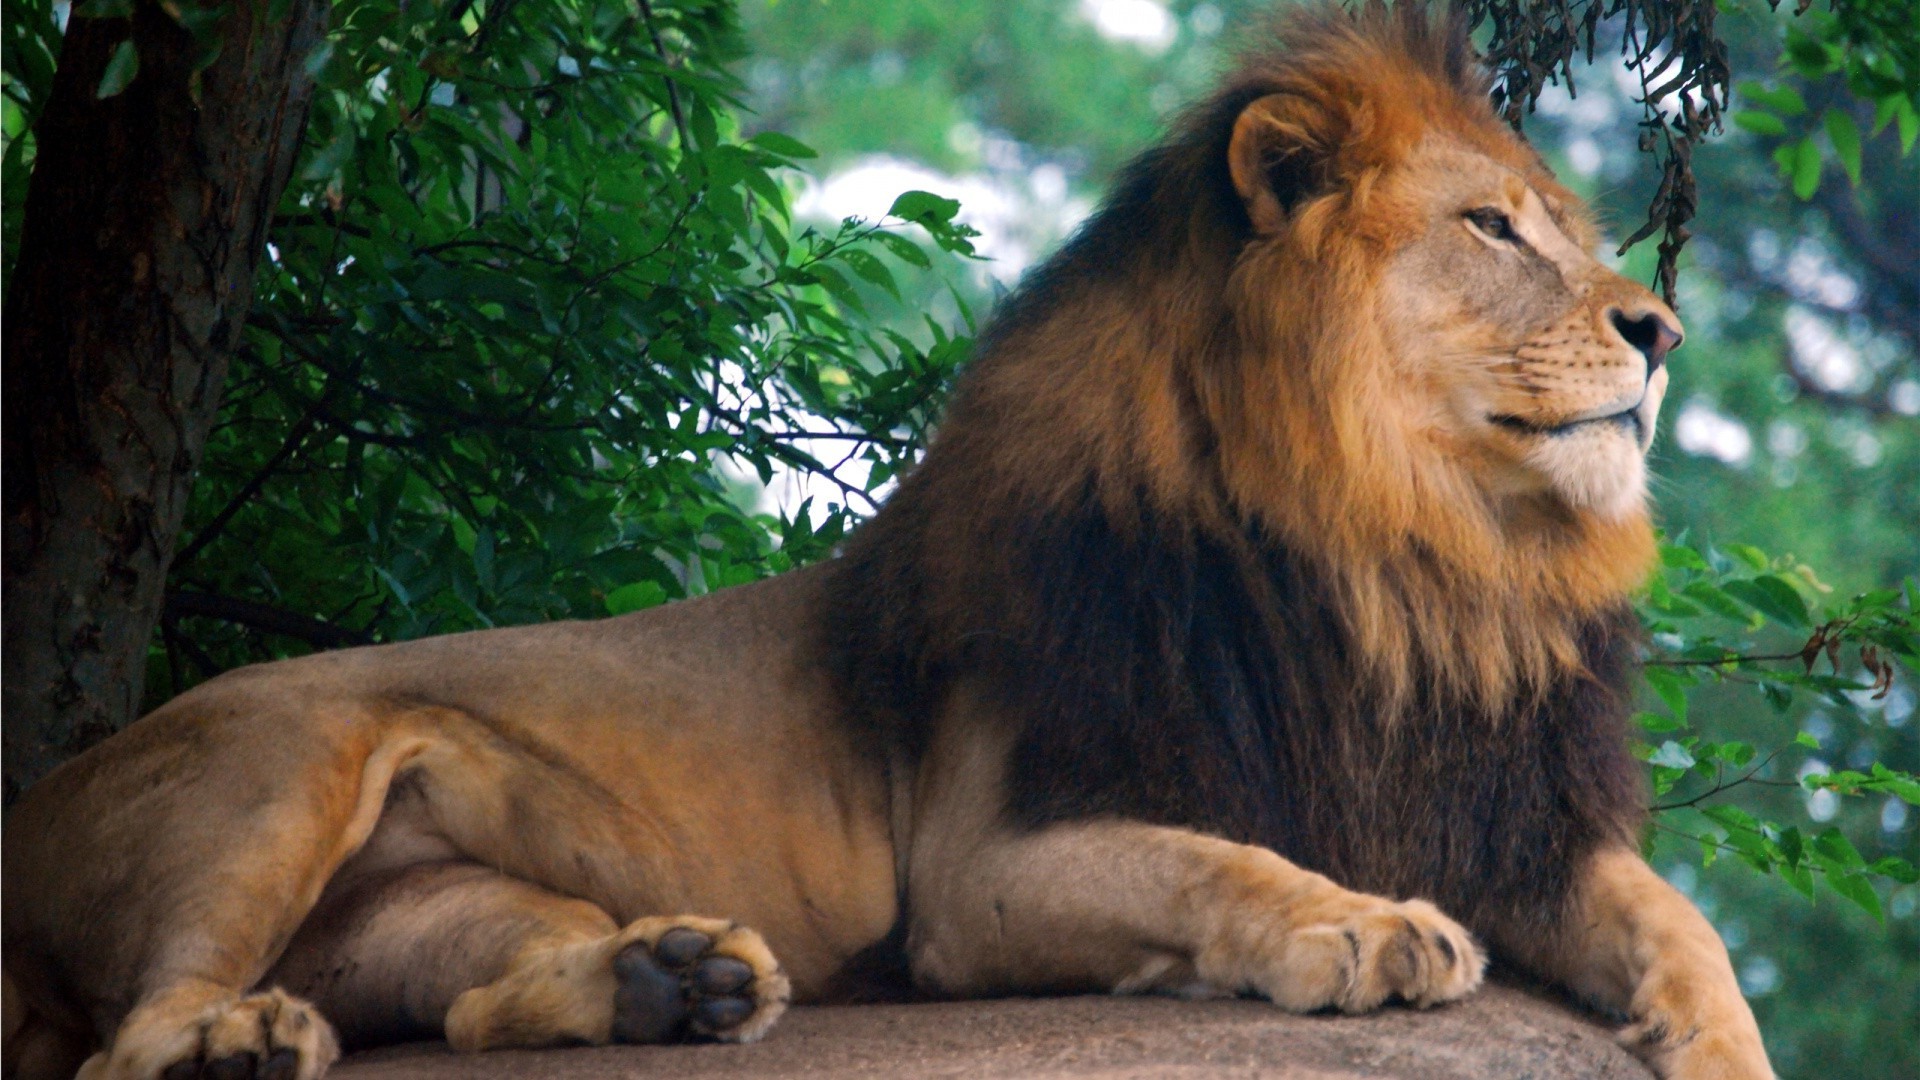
point(1499, 1034)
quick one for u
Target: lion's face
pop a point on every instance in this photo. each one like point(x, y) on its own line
point(1544, 367)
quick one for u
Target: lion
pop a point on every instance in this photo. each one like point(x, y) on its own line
point(1256, 624)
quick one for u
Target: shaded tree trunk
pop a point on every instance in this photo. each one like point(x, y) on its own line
point(144, 222)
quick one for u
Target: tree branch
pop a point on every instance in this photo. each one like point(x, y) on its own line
point(673, 90)
point(263, 617)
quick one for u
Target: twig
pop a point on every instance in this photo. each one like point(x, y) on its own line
point(673, 89)
point(263, 617)
point(295, 439)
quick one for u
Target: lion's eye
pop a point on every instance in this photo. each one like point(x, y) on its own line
point(1493, 224)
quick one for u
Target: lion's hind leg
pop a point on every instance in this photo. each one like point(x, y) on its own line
point(203, 1031)
point(189, 878)
point(493, 961)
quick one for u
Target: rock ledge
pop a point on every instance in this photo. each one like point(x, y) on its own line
point(1499, 1034)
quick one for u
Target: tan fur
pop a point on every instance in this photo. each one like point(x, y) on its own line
point(1426, 511)
point(566, 989)
point(465, 835)
point(475, 806)
point(1130, 908)
point(1637, 946)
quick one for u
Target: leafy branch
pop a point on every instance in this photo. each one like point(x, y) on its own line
point(1705, 611)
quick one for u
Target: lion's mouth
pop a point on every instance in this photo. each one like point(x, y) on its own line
point(1627, 419)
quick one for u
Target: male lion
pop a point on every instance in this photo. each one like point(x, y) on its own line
point(1259, 612)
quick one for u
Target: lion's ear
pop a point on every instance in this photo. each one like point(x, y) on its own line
point(1279, 156)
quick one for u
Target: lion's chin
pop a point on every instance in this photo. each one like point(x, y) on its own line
point(1599, 468)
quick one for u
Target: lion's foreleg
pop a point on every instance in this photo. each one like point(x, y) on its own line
point(1124, 906)
point(1636, 945)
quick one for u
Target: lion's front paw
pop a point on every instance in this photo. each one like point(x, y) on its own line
point(1682, 1050)
point(1406, 951)
point(267, 1036)
point(704, 976)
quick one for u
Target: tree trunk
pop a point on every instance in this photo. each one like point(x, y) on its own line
point(144, 221)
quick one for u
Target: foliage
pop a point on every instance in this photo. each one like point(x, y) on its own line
point(1875, 46)
point(530, 299)
point(1679, 57)
point(1705, 611)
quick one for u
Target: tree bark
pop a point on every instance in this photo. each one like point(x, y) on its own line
point(144, 222)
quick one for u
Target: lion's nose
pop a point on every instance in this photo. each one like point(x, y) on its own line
point(1654, 334)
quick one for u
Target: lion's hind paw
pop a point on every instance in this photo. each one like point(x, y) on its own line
point(1393, 951)
point(706, 977)
point(264, 1036)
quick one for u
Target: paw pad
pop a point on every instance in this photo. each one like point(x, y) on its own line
point(691, 982)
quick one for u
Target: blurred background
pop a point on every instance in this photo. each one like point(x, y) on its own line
point(1793, 422)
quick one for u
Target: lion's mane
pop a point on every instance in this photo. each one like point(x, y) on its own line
point(1170, 533)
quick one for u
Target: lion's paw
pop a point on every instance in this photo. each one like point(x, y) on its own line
point(1673, 1036)
point(660, 979)
point(265, 1036)
point(691, 975)
point(1406, 951)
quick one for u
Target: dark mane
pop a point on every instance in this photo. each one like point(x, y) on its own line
point(1068, 551)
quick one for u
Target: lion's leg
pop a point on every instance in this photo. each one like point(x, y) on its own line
point(1125, 906)
point(493, 961)
point(158, 948)
point(1636, 945)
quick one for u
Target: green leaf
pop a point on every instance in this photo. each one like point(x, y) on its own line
point(1792, 847)
point(634, 597)
point(1733, 818)
point(903, 249)
point(1803, 168)
point(1734, 753)
point(1806, 739)
point(1858, 889)
point(1656, 724)
point(1908, 123)
point(1779, 696)
point(872, 269)
point(1900, 785)
point(836, 284)
point(1845, 136)
point(1747, 553)
point(1784, 100)
point(922, 206)
point(1808, 55)
point(1760, 123)
point(1715, 600)
point(1774, 598)
point(122, 66)
point(1833, 845)
point(1800, 877)
point(706, 127)
point(1896, 869)
point(1682, 557)
point(1672, 689)
point(1884, 110)
point(784, 145)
